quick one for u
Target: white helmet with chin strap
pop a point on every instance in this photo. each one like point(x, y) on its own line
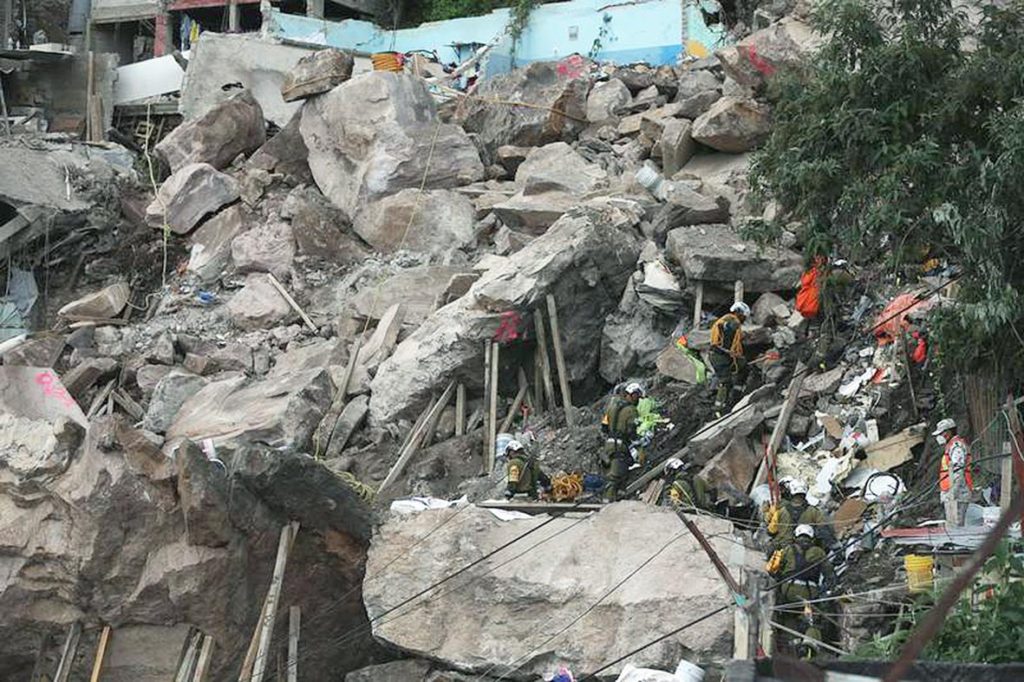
point(635, 388)
point(673, 464)
point(797, 487)
point(740, 308)
point(803, 531)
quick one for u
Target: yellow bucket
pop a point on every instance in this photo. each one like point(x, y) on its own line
point(919, 572)
point(386, 61)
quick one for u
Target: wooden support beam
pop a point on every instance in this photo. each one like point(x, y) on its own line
point(545, 362)
point(101, 651)
point(67, 656)
point(698, 303)
point(291, 301)
point(284, 546)
point(796, 384)
point(234, 18)
point(538, 381)
point(738, 291)
point(563, 375)
point(492, 414)
point(430, 427)
point(187, 665)
point(1016, 445)
point(460, 410)
point(205, 656)
point(487, 399)
point(428, 418)
point(294, 618)
point(507, 422)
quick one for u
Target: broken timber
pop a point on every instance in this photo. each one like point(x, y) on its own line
point(779, 432)
point(427, 419)
point(67, 657)
point(294, 618)
point(563, 376)
point(101, 651)
point(266, 625)
point(492, 411)
point(545, 362)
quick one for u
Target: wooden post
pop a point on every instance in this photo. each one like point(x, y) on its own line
point(273, 596)
point(487, 397)
point(528, 399)
point(910, 379)
point(738, 291)
point(460, 410)
point(742, 625)
point(563, 376)
point(538, 381)
point(698, 303)
point(101, 651)
point(427, 420)
point(507, 422)
point(90, 68)
point(430, 428)
point(796, 384)
point(545, 362)
point(188, 660)
point(294, 616)
point(3, 110)
point(492, 419)
point(205, 656)
point(234, 22)
point(67, 656)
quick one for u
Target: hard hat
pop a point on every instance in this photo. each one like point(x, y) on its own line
point(803, 531)
point(741, 308)
point(943, 426)
point(513, 446)
point(673, 463)
point(797, 488)
point(635, 388)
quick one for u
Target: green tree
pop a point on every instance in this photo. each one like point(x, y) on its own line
point(904, 138)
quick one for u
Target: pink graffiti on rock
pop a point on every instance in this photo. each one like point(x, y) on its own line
point(53, 389)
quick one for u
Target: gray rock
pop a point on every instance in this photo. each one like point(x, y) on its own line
point(189, 195)
point(85, 375)
point(106, 303)
point(284, 153)
point(752, 60)
point(441, 220)
point(211, 243)
point(258, 305)
point(265, 248)
point(396, 671)
point(148, 376)
point(511, 156)
point(674, 364)
point(546, 589)
point(352, 417)
point(629, 342)
point(720, 175)
point(684, 206)
point(534, 213)
point(317, 73)
point(208, 357)
point(715, 253)
point(763, 310)
point(605, 99)
point(698, 90)
point(586, 255)
point(735, 466)
point(280, 412)
point(232, 127)
point(677, 145)
point(733, 125)
point(636, 77)
point(415, 288)
point(169, 395)
point(648, 97)
point(541, 84)
point(320, 229)
point(556, 167)
point(380, 127)
point(739, 423)
point(508, 241)
point(204, 498)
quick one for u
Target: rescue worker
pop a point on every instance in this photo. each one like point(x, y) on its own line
point(797, 511)
point(618, 425)
point(683, 489)
point(524, 473)
point(805, 570)
point(726, 353)
point(955, 480)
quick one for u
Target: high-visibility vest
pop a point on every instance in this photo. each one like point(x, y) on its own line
point(735, 348)
point(944, 482)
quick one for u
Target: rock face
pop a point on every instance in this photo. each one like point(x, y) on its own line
point(757, 57)
point(233, 127)
point(441, 220)
point(371, 137)
point(316, 73)
point(61, 562)
point(733, 124)
point(193, 192)
point(585, 257)
point(549, 588)
point(715, 253)
point(605, 99)
point(560, 114)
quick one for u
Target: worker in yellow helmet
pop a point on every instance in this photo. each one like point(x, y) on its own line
point(726, 354)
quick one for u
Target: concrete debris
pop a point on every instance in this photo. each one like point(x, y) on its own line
point(381, 127)
point(316, 73)
point(715, 253)
point(258, 305)
point(484, 632)
point(733, 125)
point(434, 221)
point(100, 305)
point(189, 195)
point(232, 127)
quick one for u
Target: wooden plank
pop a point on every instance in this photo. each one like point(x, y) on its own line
point(288, 533)
point(67, 656)
point(487, 398)
point(1006, 479)
point(291, 301)
point(698, 303)
point(430, 427)
point(538, 381)
point(250, 655)
point(188, 661)
point(460, 410)
point(294, 617)
point(203, 663)
point(100, 399)
point(779, 432)
point(416, 437)
point(545, 361)
point(516, 404)
point(540, 507)
point(492, 414)
point(563, 376)
point(1016, 439)
point(101, 651)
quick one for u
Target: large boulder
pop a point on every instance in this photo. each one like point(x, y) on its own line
point(714, 253)
point(265, 248)
point(211, 243)
point(320, 229)
point(376, 134)
point(786, 43)
point(557, 167)
point(232, 127)
point(558, 108)
point(484, 622)
point(316, 73)
point(434, 221)
point(629, 341)
point(685, 206)
point(534, 213)
point(733, 124)
point(677, 146)
point(720, 175)
point(284, 153)
point(189, 195)
point(583, 261)
point(280, 412)
point(258, 305)
point(605, 99)
point(169, 395)
point(698, 90)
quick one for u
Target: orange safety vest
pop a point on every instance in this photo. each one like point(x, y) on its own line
point(944, 482)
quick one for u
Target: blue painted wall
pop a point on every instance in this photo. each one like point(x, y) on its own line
point(615, 30)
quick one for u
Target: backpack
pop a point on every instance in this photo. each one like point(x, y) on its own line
point(808, 297)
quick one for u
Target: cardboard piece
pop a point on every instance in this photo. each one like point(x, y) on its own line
point(895, 450)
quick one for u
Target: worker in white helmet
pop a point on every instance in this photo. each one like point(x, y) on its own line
point(796, 511)
point(804, 572)
point(955, 480)
point(683, 489)
point(618, 425)
point(524, 475)
point(726, 354)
